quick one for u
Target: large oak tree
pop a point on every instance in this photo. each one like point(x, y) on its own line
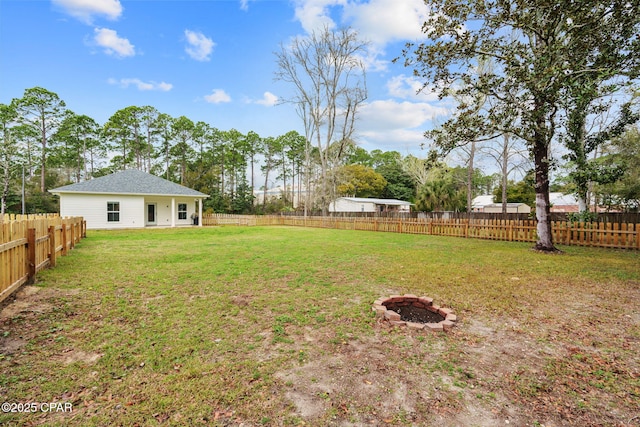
point(532, 44)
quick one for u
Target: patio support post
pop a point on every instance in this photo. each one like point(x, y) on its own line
point(173, 211)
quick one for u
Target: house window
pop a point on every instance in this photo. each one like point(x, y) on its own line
point(113, 211)
point(182, 211)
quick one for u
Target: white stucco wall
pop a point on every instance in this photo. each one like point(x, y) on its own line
point(93, 208)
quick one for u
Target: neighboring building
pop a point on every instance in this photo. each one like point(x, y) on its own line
point(563, 202)
point(362, 204)
point(295, 194)
point(479, 202)
point(559, 203)
point(130, 199)
point(511, 208)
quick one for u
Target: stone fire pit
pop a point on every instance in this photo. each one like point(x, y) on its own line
point(414, 312)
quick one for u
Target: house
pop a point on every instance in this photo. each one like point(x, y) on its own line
point(295, 194)
point(130, 199)
point(485, 204)
point(363, 204)
point(563, 202)
point(479, 202)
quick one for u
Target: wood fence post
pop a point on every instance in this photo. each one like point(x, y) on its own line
point(52, 246)
point(31, 254)
point(64, 238)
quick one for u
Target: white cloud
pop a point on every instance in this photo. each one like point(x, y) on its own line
point(200, 46)
point(268, 99)
point(390, 114)
point(315, 14)
point(151, 85)
point(217, 96)
point(377, 21)
point(407, 87)
point(84, 10)
point(373, 61)
point(404, 140)
point(112, 43)
point(384, 21)
point(244, 4)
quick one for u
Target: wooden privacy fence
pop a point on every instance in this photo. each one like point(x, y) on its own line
point(30, 243)
point(604, 235)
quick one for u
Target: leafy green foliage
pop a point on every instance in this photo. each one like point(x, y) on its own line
point(519, 192)
point(441, 193)
point(623, 153)
point(541, 50)
point(41, 110)
point(360, 181)
point(399, 184)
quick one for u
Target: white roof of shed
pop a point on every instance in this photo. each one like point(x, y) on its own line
point(480, 201)
point(388, 202)
point(563, 199)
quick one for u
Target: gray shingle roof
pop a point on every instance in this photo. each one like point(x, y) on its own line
point(130, 181)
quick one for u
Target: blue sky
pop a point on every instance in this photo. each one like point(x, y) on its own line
point(210, 60)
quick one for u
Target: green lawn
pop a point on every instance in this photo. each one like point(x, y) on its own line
point(273, 326)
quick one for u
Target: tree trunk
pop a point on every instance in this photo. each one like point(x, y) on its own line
point(43, 165)
point(5, 186)
point(149, 147)
point(505, 175)
point(222, 173)
point(472, 152)
point(582, 203)
point(183, 170)
point(284, 178)
point(307, 177)
point(124, 154)
point(266, 182)
point(84, 158)
point(253, 187)
point(138, 156)
point(166, 158)
point(92, 165)
point(543, 215)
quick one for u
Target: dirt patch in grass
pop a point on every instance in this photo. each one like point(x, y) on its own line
point(20, 314)
point(70, 356)
point(27, 299)
point(396, 377)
